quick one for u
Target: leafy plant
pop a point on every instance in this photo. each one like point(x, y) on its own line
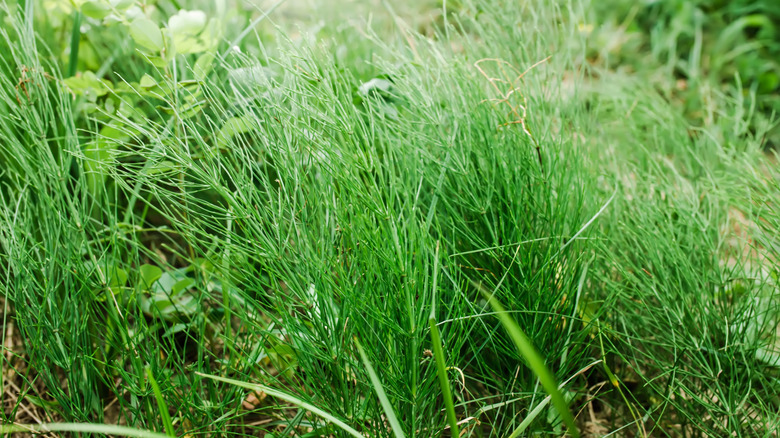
point(725, 45)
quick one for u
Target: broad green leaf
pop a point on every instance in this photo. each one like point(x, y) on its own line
point(146, 34)
point(232, 127)
point(191, 45)
point(118, 281)
point(88, 58)
point(185, 28)
point(191, 109)
point(112, 132)
point(168, 299)
point(87, 84)
point(96, 9)
point(203, 264)
point(98, 157)
point(159, 91)
point(164, 284)
point(182, 286)
point(237, 125)
point(147, 81)
point(41, 403)
point(768, 82)
point(768, 356)
point(149, 274)
point(110, 105)
point(212, 34)
point(161, 168)
point(121, 4)
point(158, 61)
point(171, 308)
point(192, 87)
point(203, 66)
point(283, 358)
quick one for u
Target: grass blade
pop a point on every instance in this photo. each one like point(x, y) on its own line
point(161, 405)
point(380, 392)
point(75, 40)
point(438, 351)
point(535, 362)
point(286, 397)
point(106, 429)
point(441, 370)
point(531, 416)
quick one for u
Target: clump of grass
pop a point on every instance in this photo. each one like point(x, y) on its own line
point(335, 219)
point(219, 263)
point(692, 300)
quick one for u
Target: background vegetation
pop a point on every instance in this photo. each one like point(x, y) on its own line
point(224, 218)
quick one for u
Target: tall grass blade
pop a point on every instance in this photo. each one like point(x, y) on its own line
point(75, 41)
point(288, 398)
point(380, 392)
point(531, 416)
point(105, 429)
point(535, 362)
point(161, 405)
point(441, 370)
point(438, 350)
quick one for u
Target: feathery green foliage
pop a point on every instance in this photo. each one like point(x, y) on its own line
point(215, 205)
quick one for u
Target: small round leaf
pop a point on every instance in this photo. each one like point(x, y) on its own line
point(146, 34)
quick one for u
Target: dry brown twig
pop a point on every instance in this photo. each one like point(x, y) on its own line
point(514, 79)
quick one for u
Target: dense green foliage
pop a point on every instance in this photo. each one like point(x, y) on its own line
point(703, 47)
point(212, 223)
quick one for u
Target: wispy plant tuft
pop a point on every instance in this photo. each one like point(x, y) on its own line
point(183, 212)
